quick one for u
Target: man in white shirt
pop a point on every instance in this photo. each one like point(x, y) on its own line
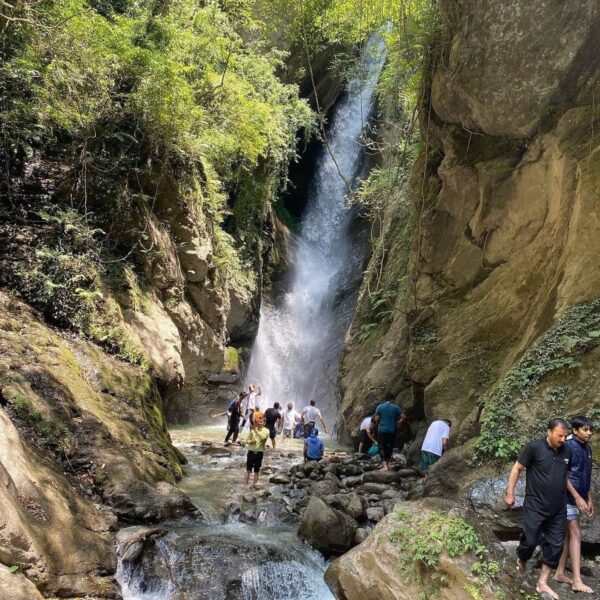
point(435, 443)
point(250, 404)
point(289, 417)
point(309, 416)
point(366, 437)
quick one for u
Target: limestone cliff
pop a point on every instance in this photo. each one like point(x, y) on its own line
point(490, 257)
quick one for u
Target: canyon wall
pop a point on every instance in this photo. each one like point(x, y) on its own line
point(490, 250)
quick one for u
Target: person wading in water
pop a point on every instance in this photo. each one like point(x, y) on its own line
point(235, 414)
point(249, 406)
point(257, 438)
point(273, 422)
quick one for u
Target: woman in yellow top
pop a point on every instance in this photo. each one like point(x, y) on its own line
point(257, 438)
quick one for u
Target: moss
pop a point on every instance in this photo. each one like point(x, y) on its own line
point(535, 388)
point(232, 359)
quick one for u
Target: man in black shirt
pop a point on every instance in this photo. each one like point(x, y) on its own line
point(547, 461)
point(273, 421)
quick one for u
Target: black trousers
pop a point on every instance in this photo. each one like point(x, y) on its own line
point(549, 530)
point(386, 442)
point(234, 429)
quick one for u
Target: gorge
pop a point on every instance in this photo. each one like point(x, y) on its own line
point(152, 264)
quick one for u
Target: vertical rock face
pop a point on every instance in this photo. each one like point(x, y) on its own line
point(502, 237)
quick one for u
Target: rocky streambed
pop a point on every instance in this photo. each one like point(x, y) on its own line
point(339, 528)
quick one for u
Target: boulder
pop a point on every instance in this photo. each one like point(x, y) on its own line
point(373, 488)
point(279, 478)
point(370, 570)
point(352, 504)
point(15, 586)
point(387, 477)
point(486, 497)
point(375, 513)
point(328, 530)
point(322, 488)
point(352, 481)
point(332, 477)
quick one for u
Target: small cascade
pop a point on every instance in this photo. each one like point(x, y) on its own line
point(296, 352)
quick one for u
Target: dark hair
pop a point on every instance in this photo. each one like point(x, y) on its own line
point(555, 422)
point(448, 421)
point(276, 405)
point(389, 397)
point(581, 421)
point(243, 394)
point(312, 402)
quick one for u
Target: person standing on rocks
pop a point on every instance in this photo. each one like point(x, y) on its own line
point(366, 437)
point(250, 405)
point(235, 414)
point(578, 500)
point(257, 438)
point(289, 417)
point(313, 446)
point(547, 461)
point(435, 443)
point(390, 416)
point(273, 422)
point(309, 416)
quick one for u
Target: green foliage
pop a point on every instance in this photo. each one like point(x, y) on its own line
point(486, 570)
point(130, 92)
point(503, 428)
point(422, 538)
point(381, 303)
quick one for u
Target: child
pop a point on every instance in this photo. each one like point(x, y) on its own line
point(579, 498)
point(257, 438)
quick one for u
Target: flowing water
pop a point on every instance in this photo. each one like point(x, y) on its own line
point(254, 553)
point(250, 552)
point(296, 352)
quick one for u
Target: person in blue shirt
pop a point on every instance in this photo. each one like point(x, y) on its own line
point(579, 499)
point(313, 446)
point(390, 416)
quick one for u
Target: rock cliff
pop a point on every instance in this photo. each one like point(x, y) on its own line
point(490, 253)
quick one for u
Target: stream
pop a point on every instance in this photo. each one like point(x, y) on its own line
point(242, 545)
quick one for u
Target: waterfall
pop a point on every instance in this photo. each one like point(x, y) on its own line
point(296, 352)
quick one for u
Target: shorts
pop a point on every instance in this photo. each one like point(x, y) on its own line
point(287, 433)
point(254, 461)
point(572, 513)
point(272, 431)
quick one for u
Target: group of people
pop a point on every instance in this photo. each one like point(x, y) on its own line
point(558, 467)
point(266, 426)
point(557, 492)
point(378, 433)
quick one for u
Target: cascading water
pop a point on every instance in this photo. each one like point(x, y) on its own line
point(218, 556)
point(296, 352)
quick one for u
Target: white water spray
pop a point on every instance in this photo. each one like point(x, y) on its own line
point(296, 352)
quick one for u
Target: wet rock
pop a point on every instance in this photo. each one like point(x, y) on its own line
point(298, 494)
point(352, 481)
point(322, 488)
point(132, 540)
point(140, 501)
point(216, 451)
point(388, 494)
point(310, 466)
point(352, 504)
point(331, 468)
point(382, 477)
point(375, 513)
point(279, 478)
point(351, 469)
point(361, 535)
point(249, 498)
point(304, 483)
point(332, 477)
point(328, 530)
point(374, 488)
